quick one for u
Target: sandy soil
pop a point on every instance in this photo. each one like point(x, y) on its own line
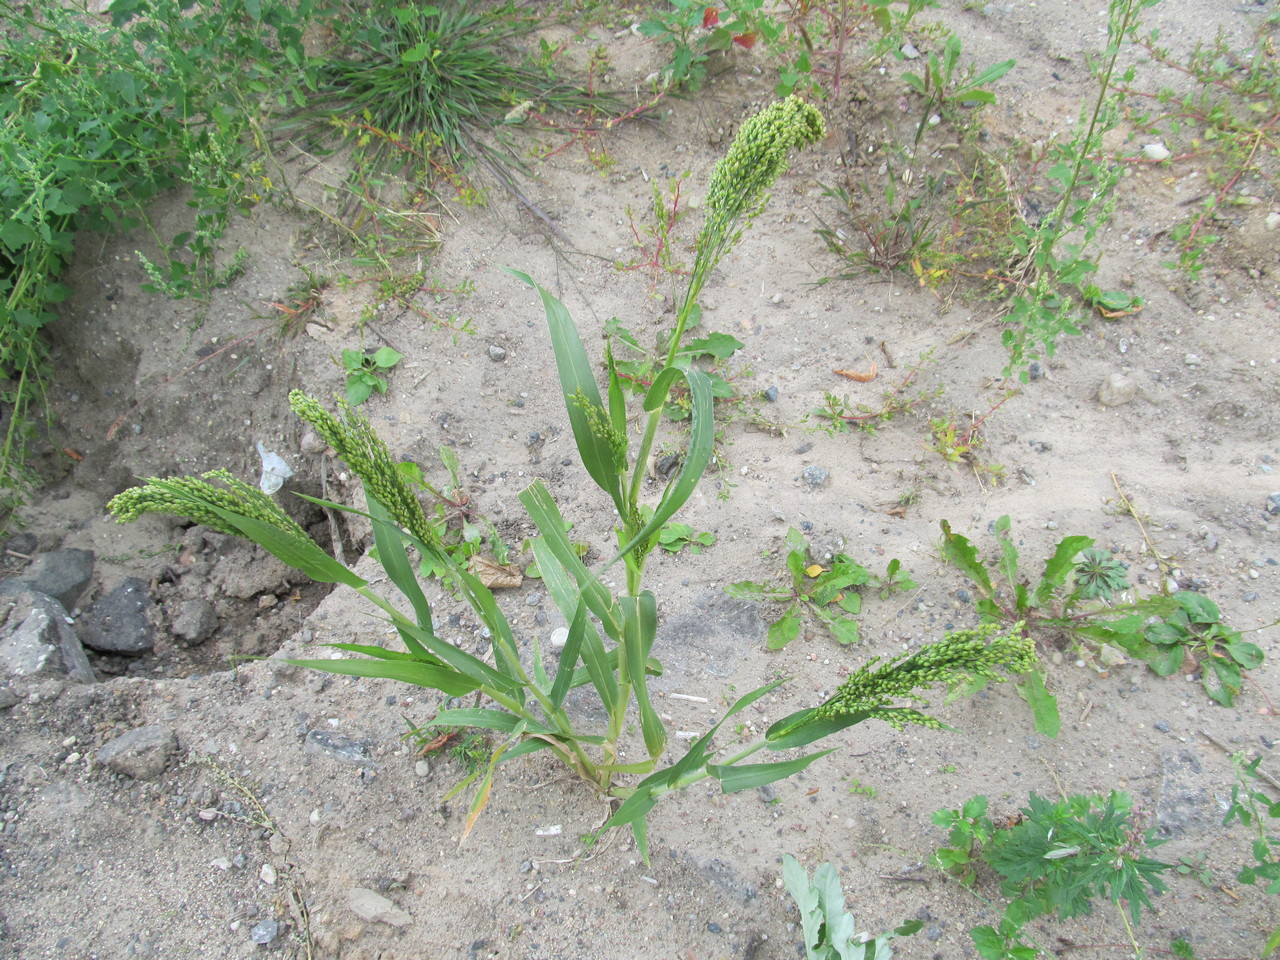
point(99, 865)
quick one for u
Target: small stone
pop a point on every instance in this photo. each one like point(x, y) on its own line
point(559, 637)
point(804, 447)
point(264, 932)
point(1162, 726)
point(771, 395)
point(933, 932)
point(497, 354)
point(1192, 360)
point(526, 866)
point(142, 753)
point(533, 599)
point(909, 52)
point(8, 699)
point(374, 907)
point(1156, 151)
point(220, 863)
point(816, 476)
point(326, 742)
point(768, 793)
point(963, 595)
point(195, 622)
point(1250, 597)
point(1273, 504)
point(1035, 370)
point(422, 768)
point(1273, 221)
point(1051, 525)
point(714, 927)
point(1116, 390)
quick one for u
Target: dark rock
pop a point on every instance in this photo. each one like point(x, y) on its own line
point(768, 793)
point(194, 622)
point(328, 743)
point(36, 639)
point(118, 623)
point(141, 754)
point(497, 353)
point(771, 395)
point(714, 927)
point(8, 699)
point(1273, 504)
point(804, 447)
point(1035, 370)
point(23, 544)
point(62, 574)
point(1162, 726)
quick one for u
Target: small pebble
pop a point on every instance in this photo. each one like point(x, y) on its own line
point(1035, 370)
point(909, 52)
point(816, 476)
point(422, 768)
point(713, 927)
point(559, 637)
point(1162, 726)
point(767, 793)
point(1116, 390)
point(264, 932)
point(497, 353)
point(1250, 597)
point(1156, 151)
point(267, 874)
point(1191, 360)
point(771, 394)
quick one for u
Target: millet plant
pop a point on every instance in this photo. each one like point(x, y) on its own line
point(611, 636)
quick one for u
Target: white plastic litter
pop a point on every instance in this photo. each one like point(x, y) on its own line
point(274, 471)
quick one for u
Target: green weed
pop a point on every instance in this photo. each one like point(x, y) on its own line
point(828, 929)
point(1083, 595)
point(1055, 859)
point(828, 594)
point(1258, 811)
point(363, 372)
point(943, 87)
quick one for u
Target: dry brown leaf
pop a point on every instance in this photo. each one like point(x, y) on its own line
point(856, 375)
point(493, 574)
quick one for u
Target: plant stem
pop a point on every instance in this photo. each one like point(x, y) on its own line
point(1113, 50)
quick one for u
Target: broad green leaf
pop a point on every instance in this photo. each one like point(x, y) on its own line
point(1248, 655)
point(844, 629)
point(1043, 704)
point(381, 653)
point(1199, 608)
point(956, 550)
point(485, 719)
point(578, 386)
point(785, 629)
point(386, 358)
point(359, 389)
point(447, 680)
point(992, 73)
point(744, 776)
point(697, 455)
point(298, 552)
point(640, 624)
point(1059, 567)
point(395, 561)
